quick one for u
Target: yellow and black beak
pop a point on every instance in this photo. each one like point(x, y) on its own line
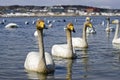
point(89, 24)
point(40, 24)
point(70, 27)
point(115, 21)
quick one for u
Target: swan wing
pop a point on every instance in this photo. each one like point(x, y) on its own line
point(49, 59)
point(77, 42)
point(60, 50)
point(32, 61)
point(116, 41)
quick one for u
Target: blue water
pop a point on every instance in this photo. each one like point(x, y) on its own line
point(102, 61)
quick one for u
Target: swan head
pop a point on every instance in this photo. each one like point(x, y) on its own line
point(88, 19)
point(40, 24)
point(88, 24)
point(70, 27)
point(116, 21)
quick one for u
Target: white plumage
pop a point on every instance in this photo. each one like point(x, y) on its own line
point(33, 59)
point(116, 39)
point(11, 25)
point(90, 30)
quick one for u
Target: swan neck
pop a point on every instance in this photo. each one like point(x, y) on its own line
point(40, 42)
point(117, 31)
point(42, 62)
point(69, 40)
point(84, 32)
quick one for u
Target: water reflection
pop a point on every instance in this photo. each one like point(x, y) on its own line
point(69, 69)
point(85, 63)
point(116, 46)
point(117, 54)
point(108, 35)
point(39, 76)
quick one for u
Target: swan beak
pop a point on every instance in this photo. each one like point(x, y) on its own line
point(115, 21)
point(73, 30)
point(40, 24)
point(90, 25)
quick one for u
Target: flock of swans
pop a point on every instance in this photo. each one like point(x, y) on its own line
point(42, 62)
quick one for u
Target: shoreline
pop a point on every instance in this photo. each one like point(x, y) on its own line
point(57, 15)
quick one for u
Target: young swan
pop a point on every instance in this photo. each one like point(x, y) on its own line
point(41, 61)
point(116, 40)
point(82, 42)
point(65, 50)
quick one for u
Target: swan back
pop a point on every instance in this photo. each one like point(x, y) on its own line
point(11, 25)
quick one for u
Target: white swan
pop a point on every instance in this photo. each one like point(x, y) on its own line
point(65, 50)
point(108, 28)
point(89, 29)
point(82, 42)
point(116, 40)
point(41, 61)
point(11, 25)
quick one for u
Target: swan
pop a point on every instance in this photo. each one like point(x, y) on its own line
point(41, 61)
point(11, 25)
point(108, 28)
point(116, 40)
point(89, 29)
point(81, 42)
point(26, 22)
point(65, 50)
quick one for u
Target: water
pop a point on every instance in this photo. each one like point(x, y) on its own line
point(101, 61)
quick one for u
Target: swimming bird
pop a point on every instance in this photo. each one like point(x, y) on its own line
point(11, 25)
point(81, 42)
point(41, 61)
point(65, 50)
point(108, 28)
point(116, 39)
point(90, 30)
point(26, 22)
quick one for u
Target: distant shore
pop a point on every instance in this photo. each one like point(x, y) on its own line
point(53, 15)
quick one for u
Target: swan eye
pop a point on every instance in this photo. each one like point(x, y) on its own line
point(40, 24)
